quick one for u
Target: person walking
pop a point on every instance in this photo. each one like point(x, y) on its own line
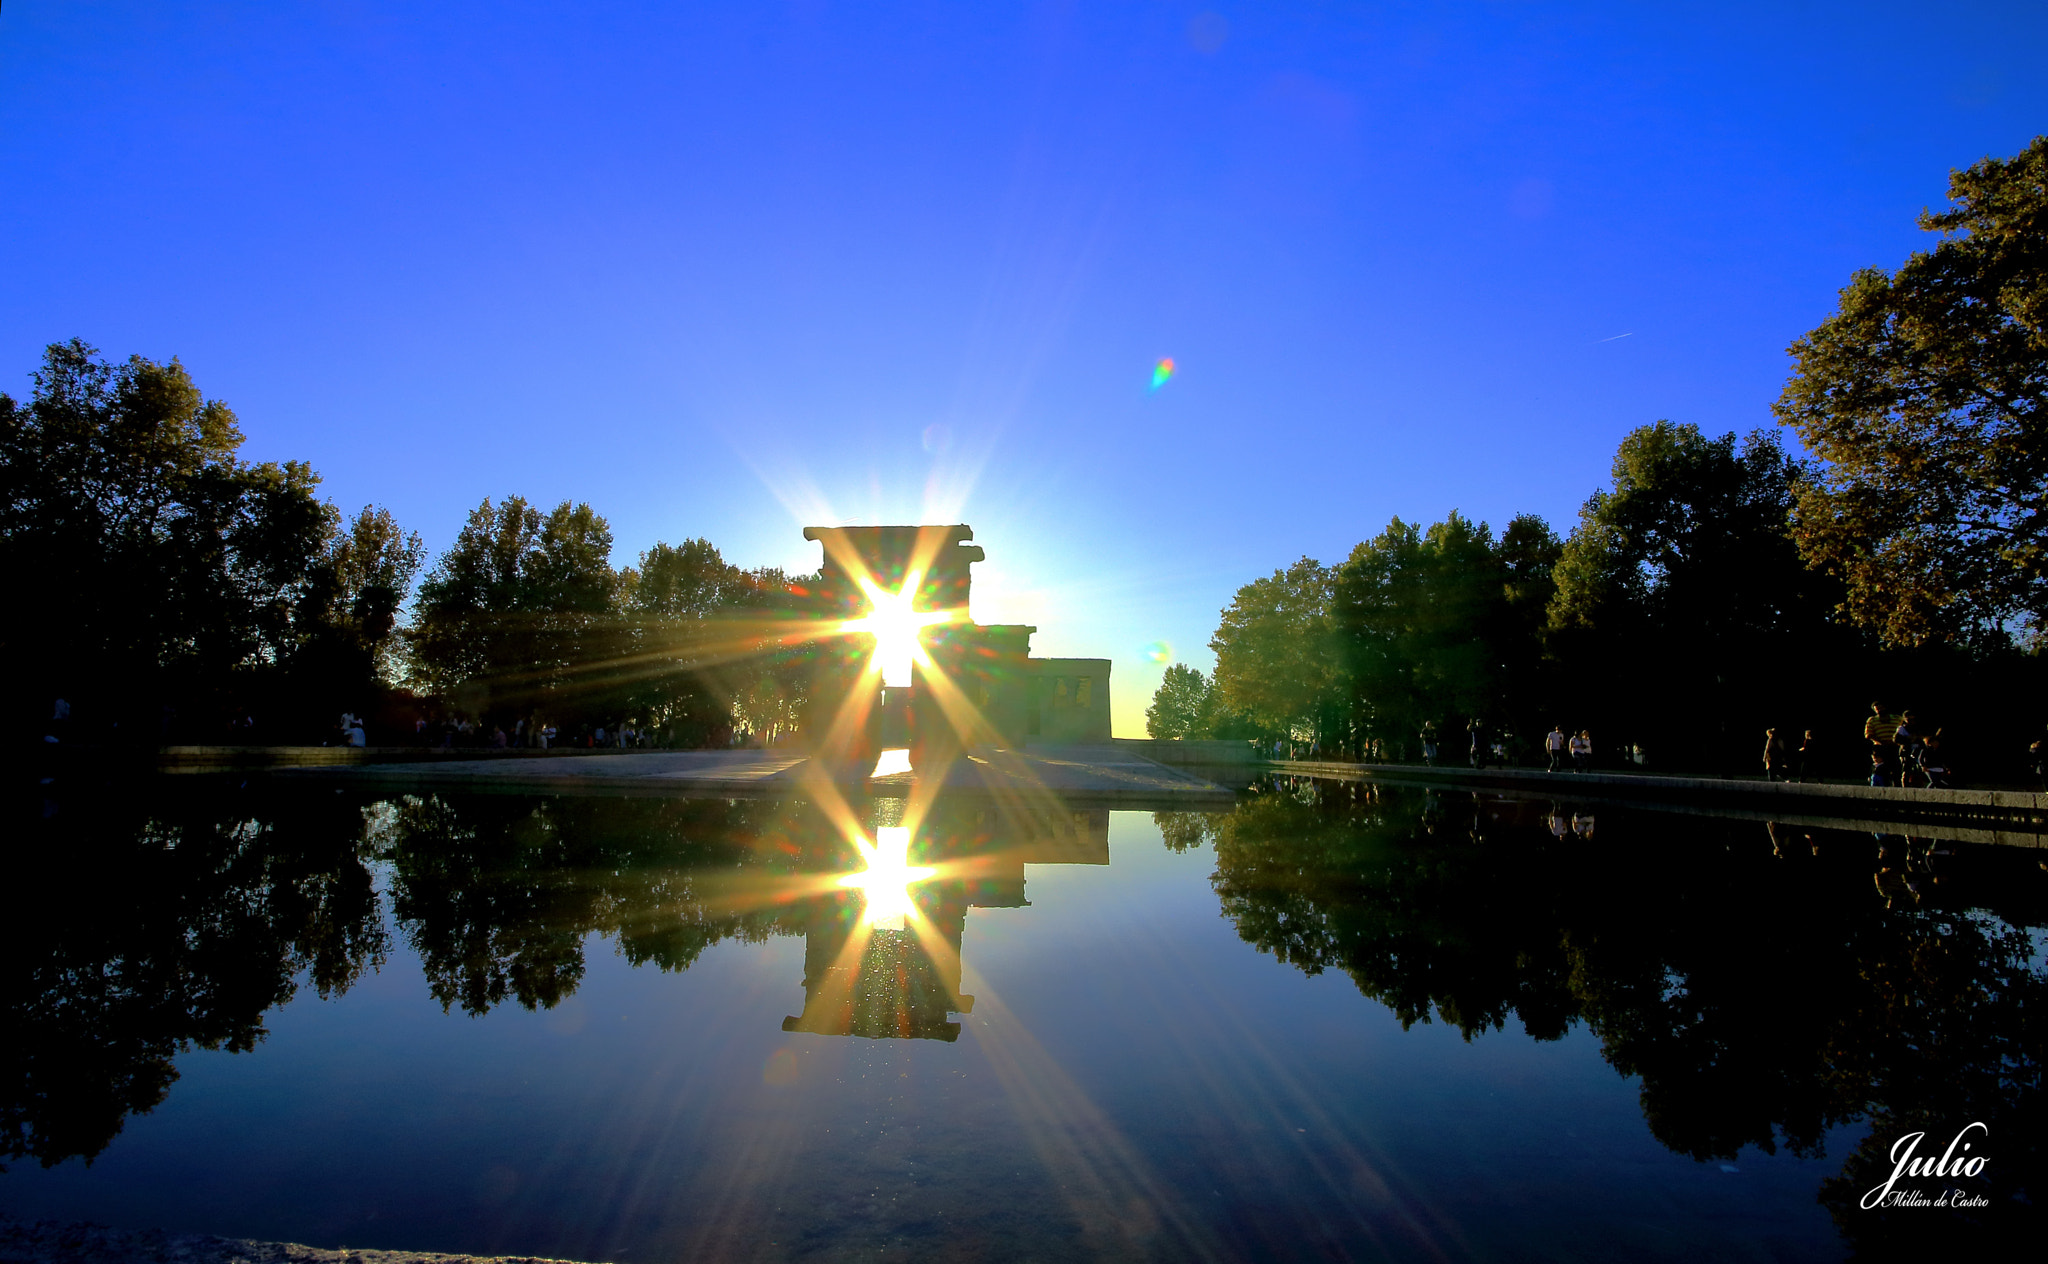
point(1554, 745)
point(1582, 750)
point(1429, 743)
point(1477, 755)
point(1809, 755)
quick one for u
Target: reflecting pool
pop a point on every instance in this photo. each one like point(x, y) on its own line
point(1342, 1021)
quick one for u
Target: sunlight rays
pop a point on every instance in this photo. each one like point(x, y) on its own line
point(897, 627)
point(886, 882)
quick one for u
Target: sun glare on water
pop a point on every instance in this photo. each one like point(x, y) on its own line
point(887, 880)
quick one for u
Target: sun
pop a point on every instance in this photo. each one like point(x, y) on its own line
point(887, 880)
point(895, 627)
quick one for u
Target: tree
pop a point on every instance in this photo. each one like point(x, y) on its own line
point(360, 586)
point(1182, 705)
point(675, 594)
point(767, 670)
point(1276, 659)
point(163, 572)
point(523, 611)
point(1439, 624)
point(1925, 396)
point(1681, 604)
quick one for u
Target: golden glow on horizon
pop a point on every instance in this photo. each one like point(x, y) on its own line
point(887, 880)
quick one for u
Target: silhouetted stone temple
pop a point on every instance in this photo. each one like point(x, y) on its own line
point(990, 691)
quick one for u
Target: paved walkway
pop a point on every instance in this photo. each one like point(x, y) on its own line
point(1081, 776)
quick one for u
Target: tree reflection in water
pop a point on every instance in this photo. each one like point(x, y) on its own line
point(132, 935)
point(128, 935)
point(1766, 983)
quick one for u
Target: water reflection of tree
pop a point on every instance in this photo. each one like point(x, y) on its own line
point(129, 935)
point(498, 894)
point(1761, 999)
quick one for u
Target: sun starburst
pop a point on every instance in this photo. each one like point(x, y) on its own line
point(887, 880)
point(896, 627)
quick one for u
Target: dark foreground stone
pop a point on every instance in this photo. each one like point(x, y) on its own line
point(51, 1242)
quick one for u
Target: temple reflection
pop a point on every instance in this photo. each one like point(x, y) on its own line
point(899, 978)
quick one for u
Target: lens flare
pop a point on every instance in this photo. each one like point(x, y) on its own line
point(887, 880)
point(937, 437)
point(1160, 652)
point(1162, 371)
point(895, 627)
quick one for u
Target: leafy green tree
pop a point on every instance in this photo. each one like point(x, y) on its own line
point(1925, 396)
point(1276, 657)
point(1682, 609)
point(1182, 706)
point(524, 612)
point(712, 653)
point(766, 670)
point(1445, 623)
point(163, 572)
point(359, 586)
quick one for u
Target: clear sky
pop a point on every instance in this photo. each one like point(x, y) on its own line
point(727, 270)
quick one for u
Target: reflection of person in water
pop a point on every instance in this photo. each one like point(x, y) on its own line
point(1582, 825)
point(1559, 825)
point(1894, 878)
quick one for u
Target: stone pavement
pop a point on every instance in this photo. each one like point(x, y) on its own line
point(51, 1242)
point(1079, 776)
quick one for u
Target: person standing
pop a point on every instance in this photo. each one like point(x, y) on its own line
point(1554, 744)
point(1906, 737)
point(1477, 731)
point(1879, 729)
point(1429, 742)
point(1809, 755)
point(1774, 756)
point(1934, 764)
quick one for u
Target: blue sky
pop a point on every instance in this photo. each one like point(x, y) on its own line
point(726, 270)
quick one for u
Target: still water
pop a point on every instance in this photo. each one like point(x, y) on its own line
point(1339, 1022)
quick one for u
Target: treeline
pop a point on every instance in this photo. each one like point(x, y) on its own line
point(167, 590)
point(1719, 587)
